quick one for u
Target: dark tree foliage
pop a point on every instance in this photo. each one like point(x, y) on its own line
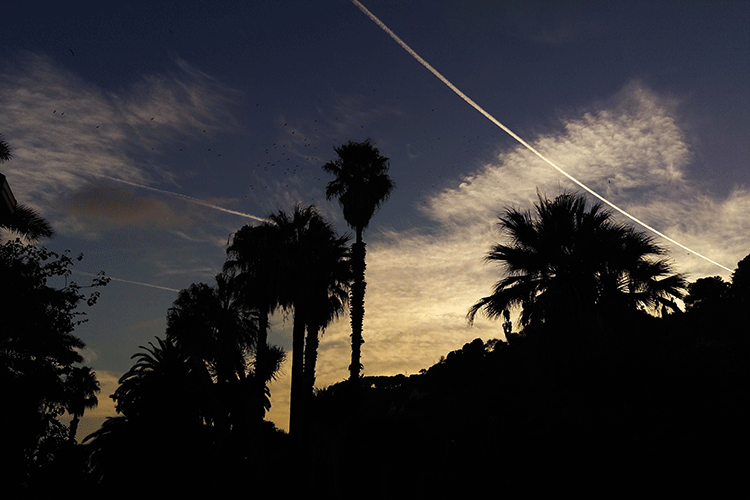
point(572, 269)
point(665, 404)
point(189, 411)
point(82, 387)
point(297, 262)
point(38, 350)
point(162, 400)
point(5, 154)
point(24, 220)
point(315, 282)
point(706, 293)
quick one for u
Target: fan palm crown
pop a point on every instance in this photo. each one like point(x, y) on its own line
point(362, 183)
point(567, 260)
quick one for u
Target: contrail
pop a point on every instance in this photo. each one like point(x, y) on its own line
point(516, 137)
point(185, 197)
point(131, 282)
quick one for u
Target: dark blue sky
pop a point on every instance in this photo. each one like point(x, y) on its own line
point(238, 104)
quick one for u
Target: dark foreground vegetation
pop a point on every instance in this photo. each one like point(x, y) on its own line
point(603, 385)
point(662, 402)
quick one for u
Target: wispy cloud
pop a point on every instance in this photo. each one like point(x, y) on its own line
point(66, 131)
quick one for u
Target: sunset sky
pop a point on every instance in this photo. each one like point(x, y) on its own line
point(233, 107)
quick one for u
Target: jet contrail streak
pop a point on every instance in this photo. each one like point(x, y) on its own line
point(185, 197)
point(516, 137)
point(131, 282)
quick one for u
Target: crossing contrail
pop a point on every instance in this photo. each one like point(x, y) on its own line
point(131, 282)
point(517, 138)
point(185, 197)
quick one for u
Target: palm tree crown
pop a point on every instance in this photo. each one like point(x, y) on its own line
point(23, 219)
point(5, 154)
point(82, 387)
point(569, 260)
point(26, 222)
point(362, 183)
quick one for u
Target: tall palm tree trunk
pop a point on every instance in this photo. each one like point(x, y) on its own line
point(256, 410)
point(357, 306)
point(312, 341)
point(296, 403)
point(73, 430)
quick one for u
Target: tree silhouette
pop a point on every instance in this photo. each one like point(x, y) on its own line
point(253, 259)
point(164, 385)
point(328, 276)
point(569, 265)
point(82, 387)
point(740, 287)
point(164, 405)
point(314, 283)
point(706, 293)
point(218, 332)
point(38, 350)
point(24, 220)
point(361, 185)
point(5, 154)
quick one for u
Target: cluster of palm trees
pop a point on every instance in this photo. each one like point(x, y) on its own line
point(295, 262)
point(215, 363)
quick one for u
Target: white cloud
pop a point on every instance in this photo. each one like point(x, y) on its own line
point(420, 286)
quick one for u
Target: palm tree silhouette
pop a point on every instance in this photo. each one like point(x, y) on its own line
point(27, 223)
point(568, 263)
point(329, 277)
point(163, 384)
point(24, 220)
point(165, 406)
point(82, 387)
point(361, 185)
point(218, 331)
point(314, 283)
point(214, 327)
point(5, 154)
point(253, 259)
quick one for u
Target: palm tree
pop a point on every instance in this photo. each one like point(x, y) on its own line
point(212, 325)
point(330, 280)
point(26, 222)
point(163, 384)
point(161, 431)
point(254, 260)
point(361, 185)
point(569, 264)
point(22, 219)
point(218, 331)
point(316, 272)
point(82, 387)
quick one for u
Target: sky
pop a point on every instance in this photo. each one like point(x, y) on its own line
point(148, 133)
